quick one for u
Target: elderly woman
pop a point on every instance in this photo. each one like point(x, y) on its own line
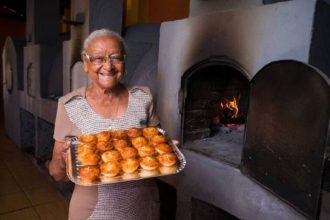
point(105, 103)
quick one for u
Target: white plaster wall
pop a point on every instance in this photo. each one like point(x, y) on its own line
point(253, 37)
point(46, 109)
point(224, 186)
point(199, 7)
point(27, 101)
point(10, 99)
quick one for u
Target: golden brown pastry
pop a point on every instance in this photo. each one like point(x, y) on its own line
point(146, 150)
point(128, 152)
point(111, 155)
point(107, 156)
point(85, 148)
point(130, 165)
point(158, 139)
point(134, 132)
point(89, 159)
point(89, 174)
point(150, 132)
point(119, 134)
point(103, 136)
point(130, 176)
point(139, 141)
point(104, 146)
point(167, 159)
point(119, 144)
point(87, 138)
point(148, 173)
point(149, 163)
point(167, 170)
point(111, 168)
point(163, 148)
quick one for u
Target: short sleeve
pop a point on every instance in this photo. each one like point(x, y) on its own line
point(63, 125)
point(153, 118)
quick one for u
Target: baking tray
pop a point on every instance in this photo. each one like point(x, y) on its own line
point(73, 165)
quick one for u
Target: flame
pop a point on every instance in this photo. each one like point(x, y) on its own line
point(232, 105)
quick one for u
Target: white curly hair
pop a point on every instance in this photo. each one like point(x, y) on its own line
point(105, 32)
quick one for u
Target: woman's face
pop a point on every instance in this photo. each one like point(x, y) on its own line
point(104, 62)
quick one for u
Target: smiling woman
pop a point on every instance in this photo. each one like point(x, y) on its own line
point(103, 61)
point(105, 104)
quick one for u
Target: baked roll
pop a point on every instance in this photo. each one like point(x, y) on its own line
point(110, 169)
point(111, 155)
point(104, 146)
point(128, 152)
point(134, 132)
point(87, 138)
point(119, 144)
point(119, 134)
point(130, 165)
point(150, 132)
point(88, 174)
point(89, 158)
point(167, 170)
point(167, 159)
point(103, 136)
point(158, 139)
point(149, 163)
point(139, 141)
point(85, 148)
point(146, 150)
point(130, 176)
point(163, 148)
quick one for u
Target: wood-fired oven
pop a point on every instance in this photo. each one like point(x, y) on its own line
point(251, 115)
point(286, 116)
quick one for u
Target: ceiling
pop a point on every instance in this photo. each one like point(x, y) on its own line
point(13, 9)
point(16, 9)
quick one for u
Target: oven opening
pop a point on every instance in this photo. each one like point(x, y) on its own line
point(215, 110)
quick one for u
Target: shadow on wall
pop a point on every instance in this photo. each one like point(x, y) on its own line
point(142, 56)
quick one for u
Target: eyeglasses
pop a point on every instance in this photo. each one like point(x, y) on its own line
point(100, 60)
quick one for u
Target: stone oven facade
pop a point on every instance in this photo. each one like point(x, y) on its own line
point(219, 171)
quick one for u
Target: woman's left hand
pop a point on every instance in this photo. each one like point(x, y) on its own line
point(64, 151)
point(176, 142)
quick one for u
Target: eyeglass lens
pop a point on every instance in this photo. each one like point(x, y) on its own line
point(101, 60)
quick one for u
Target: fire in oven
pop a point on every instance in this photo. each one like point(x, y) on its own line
point(214, 109)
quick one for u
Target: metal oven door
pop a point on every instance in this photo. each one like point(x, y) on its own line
point(286, 133)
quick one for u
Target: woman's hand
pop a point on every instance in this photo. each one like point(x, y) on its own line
point(64, 151)
point(57, 166)
point(176, 142)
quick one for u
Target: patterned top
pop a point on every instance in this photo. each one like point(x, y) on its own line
point(127, 200)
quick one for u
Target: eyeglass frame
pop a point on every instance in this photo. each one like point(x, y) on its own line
point(112, 58)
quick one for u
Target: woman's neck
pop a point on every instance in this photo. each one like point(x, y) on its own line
point(100, 93)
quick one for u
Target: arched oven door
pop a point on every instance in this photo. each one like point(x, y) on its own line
point(286, 132)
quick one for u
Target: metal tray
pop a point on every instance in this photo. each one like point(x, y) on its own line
point(73, 165)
